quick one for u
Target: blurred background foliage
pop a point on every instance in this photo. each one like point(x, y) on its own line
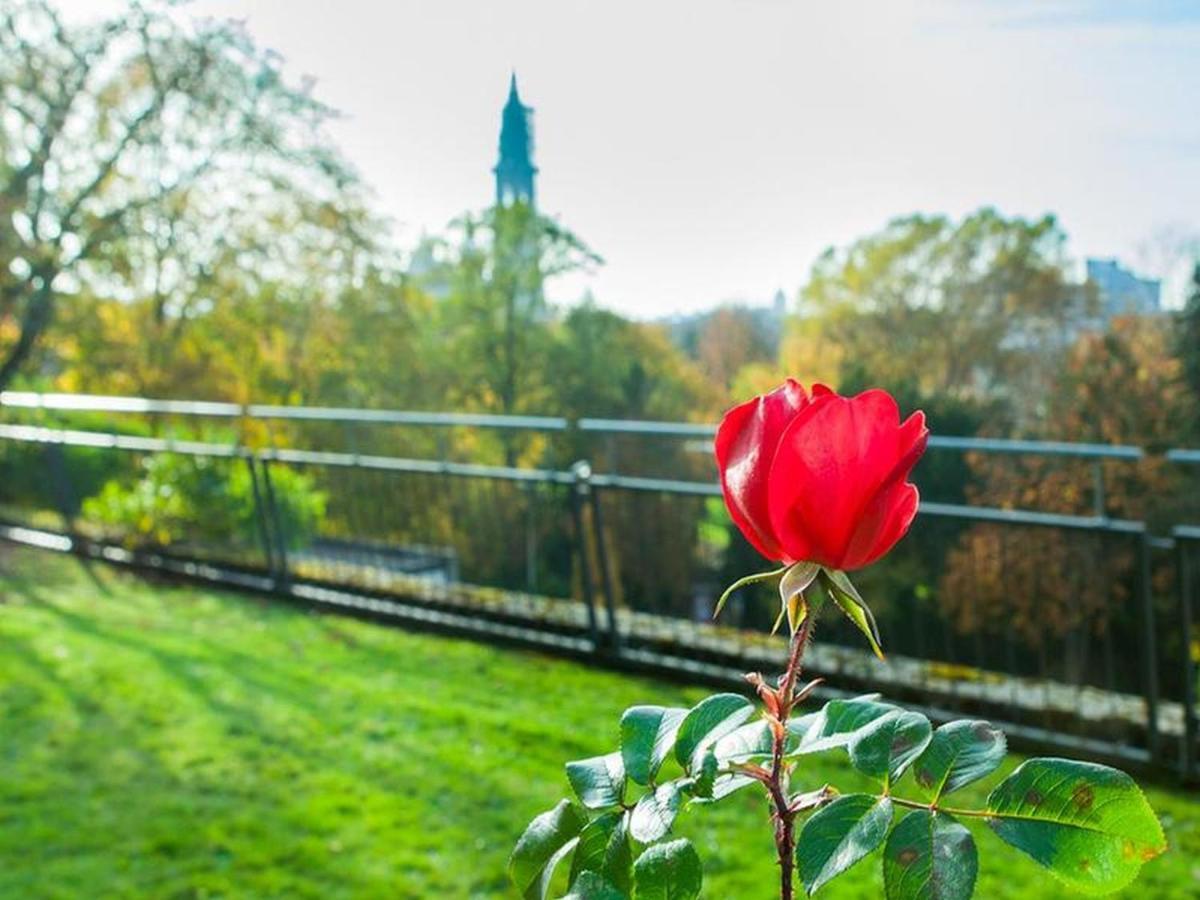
point(172, 498)
point(184, 228)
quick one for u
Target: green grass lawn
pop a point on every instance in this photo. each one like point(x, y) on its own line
point(165, 741)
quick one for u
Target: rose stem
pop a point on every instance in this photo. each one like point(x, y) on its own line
point(784, 817)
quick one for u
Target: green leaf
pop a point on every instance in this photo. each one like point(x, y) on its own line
point(797, 578)
point(743, 582)
point(704, 775)
point(839, 835)
point(750, 741)
point(728, 784)
point(885, 747)
point(605, 850)
point(779, 620)
point(647, 733)
point(846, 596)
point(670, 871)
point(796, 609)
point(1090, 825)
point(592, 886)
point(549, 838)
point(799, 726)
point(792, 585)
point(836, 724)
point(655, 812)
point(960, 752)
point(929, 856)
point(709, 720)
point(598, 782)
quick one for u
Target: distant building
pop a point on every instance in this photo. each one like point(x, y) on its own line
point(515, 173)
point(514, 169)
point(1122, 293)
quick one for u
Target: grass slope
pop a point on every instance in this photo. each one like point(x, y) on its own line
point(165, 741)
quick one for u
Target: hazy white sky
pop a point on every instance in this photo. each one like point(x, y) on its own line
point(710, 149)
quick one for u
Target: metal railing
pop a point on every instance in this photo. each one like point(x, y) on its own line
point(1187, 543)
point(988, 445)
point(203, 408)
point(613, 445)
point(650, 428)
point(1073, 630)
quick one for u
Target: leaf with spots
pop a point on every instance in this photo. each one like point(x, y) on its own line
point(1090, 825)
point(839, 835)
point(888, 745)
point(929, 856)
point(837, 722)
point(960, 752)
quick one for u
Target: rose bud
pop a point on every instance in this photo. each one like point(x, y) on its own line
point(820, 478)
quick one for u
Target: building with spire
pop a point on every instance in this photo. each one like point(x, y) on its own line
point(514, 169)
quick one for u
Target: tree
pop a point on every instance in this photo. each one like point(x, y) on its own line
point(1187, 343)
point(146, 157)
point(729, 339)
point(493, 317)
point(982, 307)
point(1118, 387)
point(608, 366)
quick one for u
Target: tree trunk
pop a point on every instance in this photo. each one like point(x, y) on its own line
point(36, 318)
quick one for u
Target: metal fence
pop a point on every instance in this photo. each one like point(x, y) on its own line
point(1074, 631)
point(1187, 543)
point(631, 447)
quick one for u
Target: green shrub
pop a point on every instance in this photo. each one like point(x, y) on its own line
point(184, 498)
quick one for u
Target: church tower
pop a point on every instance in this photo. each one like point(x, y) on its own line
point(515, 169)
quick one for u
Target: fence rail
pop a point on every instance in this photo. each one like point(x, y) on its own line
point(974, 444)
point(360, 416)
point(610, 444)
point(1075, 631)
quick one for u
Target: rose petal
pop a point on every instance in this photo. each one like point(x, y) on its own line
point(886, 520)
point(745, 446)
point(834, 459)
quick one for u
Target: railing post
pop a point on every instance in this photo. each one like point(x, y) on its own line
point(64, 492)
point(1187, 757)
point(606, 580)
point(579, 491)
point(1149, 646)
point(1099, 501)
point(281, 574)
point(529, 489)
point(261, 514)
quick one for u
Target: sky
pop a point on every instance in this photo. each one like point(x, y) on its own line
point(709, 150)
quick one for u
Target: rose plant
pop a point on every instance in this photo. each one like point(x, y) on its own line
point(819, 483)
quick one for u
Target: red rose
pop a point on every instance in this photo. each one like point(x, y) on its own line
point(820, 479)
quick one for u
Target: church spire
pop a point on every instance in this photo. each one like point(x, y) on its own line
point(515, 169)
